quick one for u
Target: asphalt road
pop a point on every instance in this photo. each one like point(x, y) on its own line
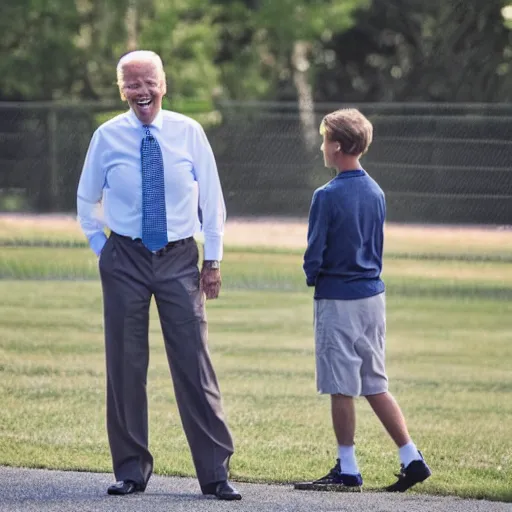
point(31, 490)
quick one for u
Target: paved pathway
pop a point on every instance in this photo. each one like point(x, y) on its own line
point(28, 490)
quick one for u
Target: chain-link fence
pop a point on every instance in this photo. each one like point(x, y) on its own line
point(437, 163)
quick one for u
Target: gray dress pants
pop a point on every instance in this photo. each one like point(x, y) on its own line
point(130, 276)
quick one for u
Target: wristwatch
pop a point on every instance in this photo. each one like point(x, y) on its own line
point(211, 264)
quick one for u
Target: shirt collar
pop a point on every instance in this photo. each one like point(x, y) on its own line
point(157, 122)
point(350, 174)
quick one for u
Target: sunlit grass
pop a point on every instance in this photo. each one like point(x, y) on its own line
point(269, 233)
point(448, 361)
point(449, 353)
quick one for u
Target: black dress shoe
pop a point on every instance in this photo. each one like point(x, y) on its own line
point(222, 490)
point(125, 487)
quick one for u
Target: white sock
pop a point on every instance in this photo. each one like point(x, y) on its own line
point(408, 452)
point(348, 463)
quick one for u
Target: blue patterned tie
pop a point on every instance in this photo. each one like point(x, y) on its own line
point(154, 219)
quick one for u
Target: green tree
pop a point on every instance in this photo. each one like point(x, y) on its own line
point(69, 48)
point(183, 33)
point(38, 61)
point(60, 49)
point(411, 50)
point(280, 39)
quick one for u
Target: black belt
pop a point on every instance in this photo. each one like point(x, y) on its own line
point(171, 245)
point(165, 249)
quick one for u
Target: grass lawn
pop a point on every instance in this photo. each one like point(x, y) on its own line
point(449, 362)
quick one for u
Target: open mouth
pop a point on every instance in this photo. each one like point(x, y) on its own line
point(144, 104)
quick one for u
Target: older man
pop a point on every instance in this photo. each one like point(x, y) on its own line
point(155, 174)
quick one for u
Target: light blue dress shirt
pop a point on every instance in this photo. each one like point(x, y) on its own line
point(110, 187)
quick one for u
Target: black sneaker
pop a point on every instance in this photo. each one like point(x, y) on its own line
point(335, 480)
point(417, 471)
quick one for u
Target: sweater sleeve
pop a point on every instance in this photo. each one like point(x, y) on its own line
point(317, 235)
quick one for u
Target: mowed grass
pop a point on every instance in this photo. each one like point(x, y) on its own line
point(449, 362)
point(470, 243)
point(262, 269)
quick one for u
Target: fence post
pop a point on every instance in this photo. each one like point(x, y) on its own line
point(53, 184)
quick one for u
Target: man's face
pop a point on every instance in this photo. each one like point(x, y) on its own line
point(144, 88)
point(329, 149)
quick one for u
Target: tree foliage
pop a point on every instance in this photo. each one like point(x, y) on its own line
point(351, 50)
point(258, 38)
point(184, 34)
point(34, 42)
point(411, 50)
point(55, 49)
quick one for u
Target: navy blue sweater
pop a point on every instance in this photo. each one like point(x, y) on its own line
point(343, 259)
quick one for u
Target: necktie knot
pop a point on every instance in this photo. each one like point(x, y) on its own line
point(147, 130)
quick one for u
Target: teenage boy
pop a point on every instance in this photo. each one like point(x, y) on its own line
point(343, 261)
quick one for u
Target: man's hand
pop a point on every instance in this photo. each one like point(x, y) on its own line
point(210, 281)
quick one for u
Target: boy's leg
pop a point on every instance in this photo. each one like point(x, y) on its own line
point(343, 419)
point(390, 415)
point(344, 424)
point(414, 468)
point(371, 348)
point(337, 369)
point(338, 373)
point(344, 476)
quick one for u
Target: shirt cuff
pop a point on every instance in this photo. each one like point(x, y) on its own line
point(213, 249)
point(97, 242)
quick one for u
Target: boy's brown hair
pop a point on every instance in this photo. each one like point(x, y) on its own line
point(350, 128)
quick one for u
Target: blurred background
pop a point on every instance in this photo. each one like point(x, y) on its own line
point(434, 77)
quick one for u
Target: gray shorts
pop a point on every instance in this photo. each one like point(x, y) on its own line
point(350, 346)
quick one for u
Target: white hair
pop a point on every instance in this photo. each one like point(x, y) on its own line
point(138, 56)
